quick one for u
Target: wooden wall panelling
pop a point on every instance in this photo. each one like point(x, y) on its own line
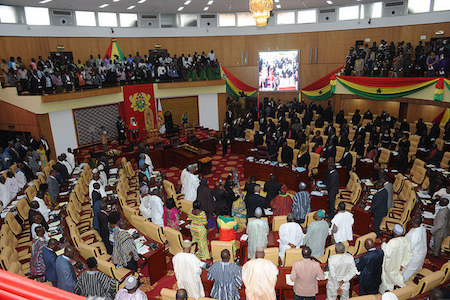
point(21, 119)
point(426, 112)
point(180, 105)
point(45, 129)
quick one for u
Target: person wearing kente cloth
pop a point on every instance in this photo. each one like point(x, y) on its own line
point(37, 264)
point(134, 131)
point(124, 251)
point(227, 226)
point(282, 204)
point(93, 283)
point(198, 231)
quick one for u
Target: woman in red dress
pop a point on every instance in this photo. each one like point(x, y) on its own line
point(134, 131)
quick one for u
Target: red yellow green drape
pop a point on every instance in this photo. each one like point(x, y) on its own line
point(323, 88)
point(113, 50)
point(235, 87)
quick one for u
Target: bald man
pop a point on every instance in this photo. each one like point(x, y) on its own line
point(260, 277)
point(370, 265)
point(441, 226)
point(257, 230)
point(65, 272)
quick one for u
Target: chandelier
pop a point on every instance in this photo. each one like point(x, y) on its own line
point(261, 10)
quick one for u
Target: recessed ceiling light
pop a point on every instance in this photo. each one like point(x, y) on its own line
point(141, 1)
point(45, 1)
point(103, 5)
point(180, 8)
point(187, 2)
point(210, 2)
point(206, 8)
point(277, 1)
point(330, 2)
point(278, 6)
point(131, 7)
point(116, 0)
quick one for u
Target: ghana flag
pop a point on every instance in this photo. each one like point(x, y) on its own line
point(113, 50)
point(235, 87)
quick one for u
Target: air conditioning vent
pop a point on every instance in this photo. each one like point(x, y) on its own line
point(166, 26)
point(325, 11)
point(149, 16)
point(392, 4)
point(208, 16)
point(62, 13)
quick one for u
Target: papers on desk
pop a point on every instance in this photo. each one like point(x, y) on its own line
point(320, 184)
point(132, 231)
point(368, 160)
point(394, 153)
point(114, 171)
point(424, 195)
point(316, 193)
point(430, 166)
point(300, 169)
point(64, 193)
point(288, 280)
point(61, 204)
point(30, 183)
point(415, 184)
point(274, 163)
point(367, 182)
point(54, 224)
point(428, 215)
point(440, 170)
point(140, 240)
point(57, 237)
point(244, 237)
point(423, 149)
point(188, 226)
point(20, 197)
point(181, 222)
point(367, 207)
point(268, 212)
point(72, 179)
point(59, 252)
point(373, 191)
point(109, 192)
point(322, 159)
point(394, 171)
point(142, 249)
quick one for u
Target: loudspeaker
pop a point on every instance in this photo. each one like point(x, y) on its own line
point(61, 17)
point(149, 21)
point(327, 15)
point(208, 20)
point(394, 8)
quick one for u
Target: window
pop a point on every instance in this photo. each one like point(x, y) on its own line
point(8, 14)
point(286, 17)
point(440, 5)
point(418, 6)
point(245, 19)
point(37, 15)
point(371, 10)
point(106, 19)
point(349, 12)
point(169, 20)
point(307, 16)
point(227, 20)
point(85, 18)
point(188, 20)
point(128, 20)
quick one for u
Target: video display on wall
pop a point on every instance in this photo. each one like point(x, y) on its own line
point(278, 70)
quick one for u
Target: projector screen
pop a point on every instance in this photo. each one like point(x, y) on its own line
point(278, 70)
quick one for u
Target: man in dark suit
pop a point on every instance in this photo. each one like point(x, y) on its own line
point(368, 115)
point(356, 117)
point(103, 228)
point(254, 201)
point(435, 156)
point(62, 170)
point(330, 150)
point(53, 186)
point(272, 188)
point(370, 265)
point(332, 183)
point(34, 210)
point(49, 256)
point(347, 160)
point(65, 272)
point(287, 154)
point(360, 132)
point(379, 206)
point(27, 169)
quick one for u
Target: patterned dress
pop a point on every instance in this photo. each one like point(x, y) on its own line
point(37, 264)
point(281, 205)
point(227, 279)
point(172, 218)
point(42, 157)
point(198, 232)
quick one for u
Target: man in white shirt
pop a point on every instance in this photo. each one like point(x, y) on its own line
point(211, 56)
point(11, 184)
point(342, 269)
point(191, 183)
point(20, 176)
point(291, 235)
point(102, 175)
point(442, 193)
point(96, 178)
point(187, 268)
point(70, 158)
point(152, 207)
point(5, 196)
point(43, 209)
point(342, 225)
point(417, 237)
point(66, 163)
point(257, 230)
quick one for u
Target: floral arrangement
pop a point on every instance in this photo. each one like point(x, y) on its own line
point(113, 152)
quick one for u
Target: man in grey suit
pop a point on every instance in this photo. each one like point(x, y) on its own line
point(67, 278)
point(332, 183)
point(32, 162)
point(390, 189)
point(53, 186)
point(441, 227)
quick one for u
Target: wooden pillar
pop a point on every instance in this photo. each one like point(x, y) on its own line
point(403, 111)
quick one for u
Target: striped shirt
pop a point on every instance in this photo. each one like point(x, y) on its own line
point(301, 205)
point(95, 284)
point(123, 245)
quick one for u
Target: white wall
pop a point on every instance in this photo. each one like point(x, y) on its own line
point(63, 130)
point(74, 31)
point(208, 111)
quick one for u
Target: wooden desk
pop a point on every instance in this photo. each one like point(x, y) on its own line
point(364, 169)
point(363, 218)
point(156, 263)
point(182, 158)
point(208, 143)
point(284, 174)
point(241, 147)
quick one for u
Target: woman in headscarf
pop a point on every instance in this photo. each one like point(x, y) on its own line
point(205, 197)
point(198, 231)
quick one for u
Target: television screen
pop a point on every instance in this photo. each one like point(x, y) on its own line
point(278, 70)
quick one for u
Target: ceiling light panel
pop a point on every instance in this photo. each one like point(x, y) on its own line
point(131, 7)
point(103, 5)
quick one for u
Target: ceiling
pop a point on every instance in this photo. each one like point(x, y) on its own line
point(171, 6)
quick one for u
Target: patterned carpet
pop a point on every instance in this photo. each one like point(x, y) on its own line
point(221, 166)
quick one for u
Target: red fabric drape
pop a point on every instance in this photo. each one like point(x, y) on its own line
point(237, 83)
point(324, 81)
